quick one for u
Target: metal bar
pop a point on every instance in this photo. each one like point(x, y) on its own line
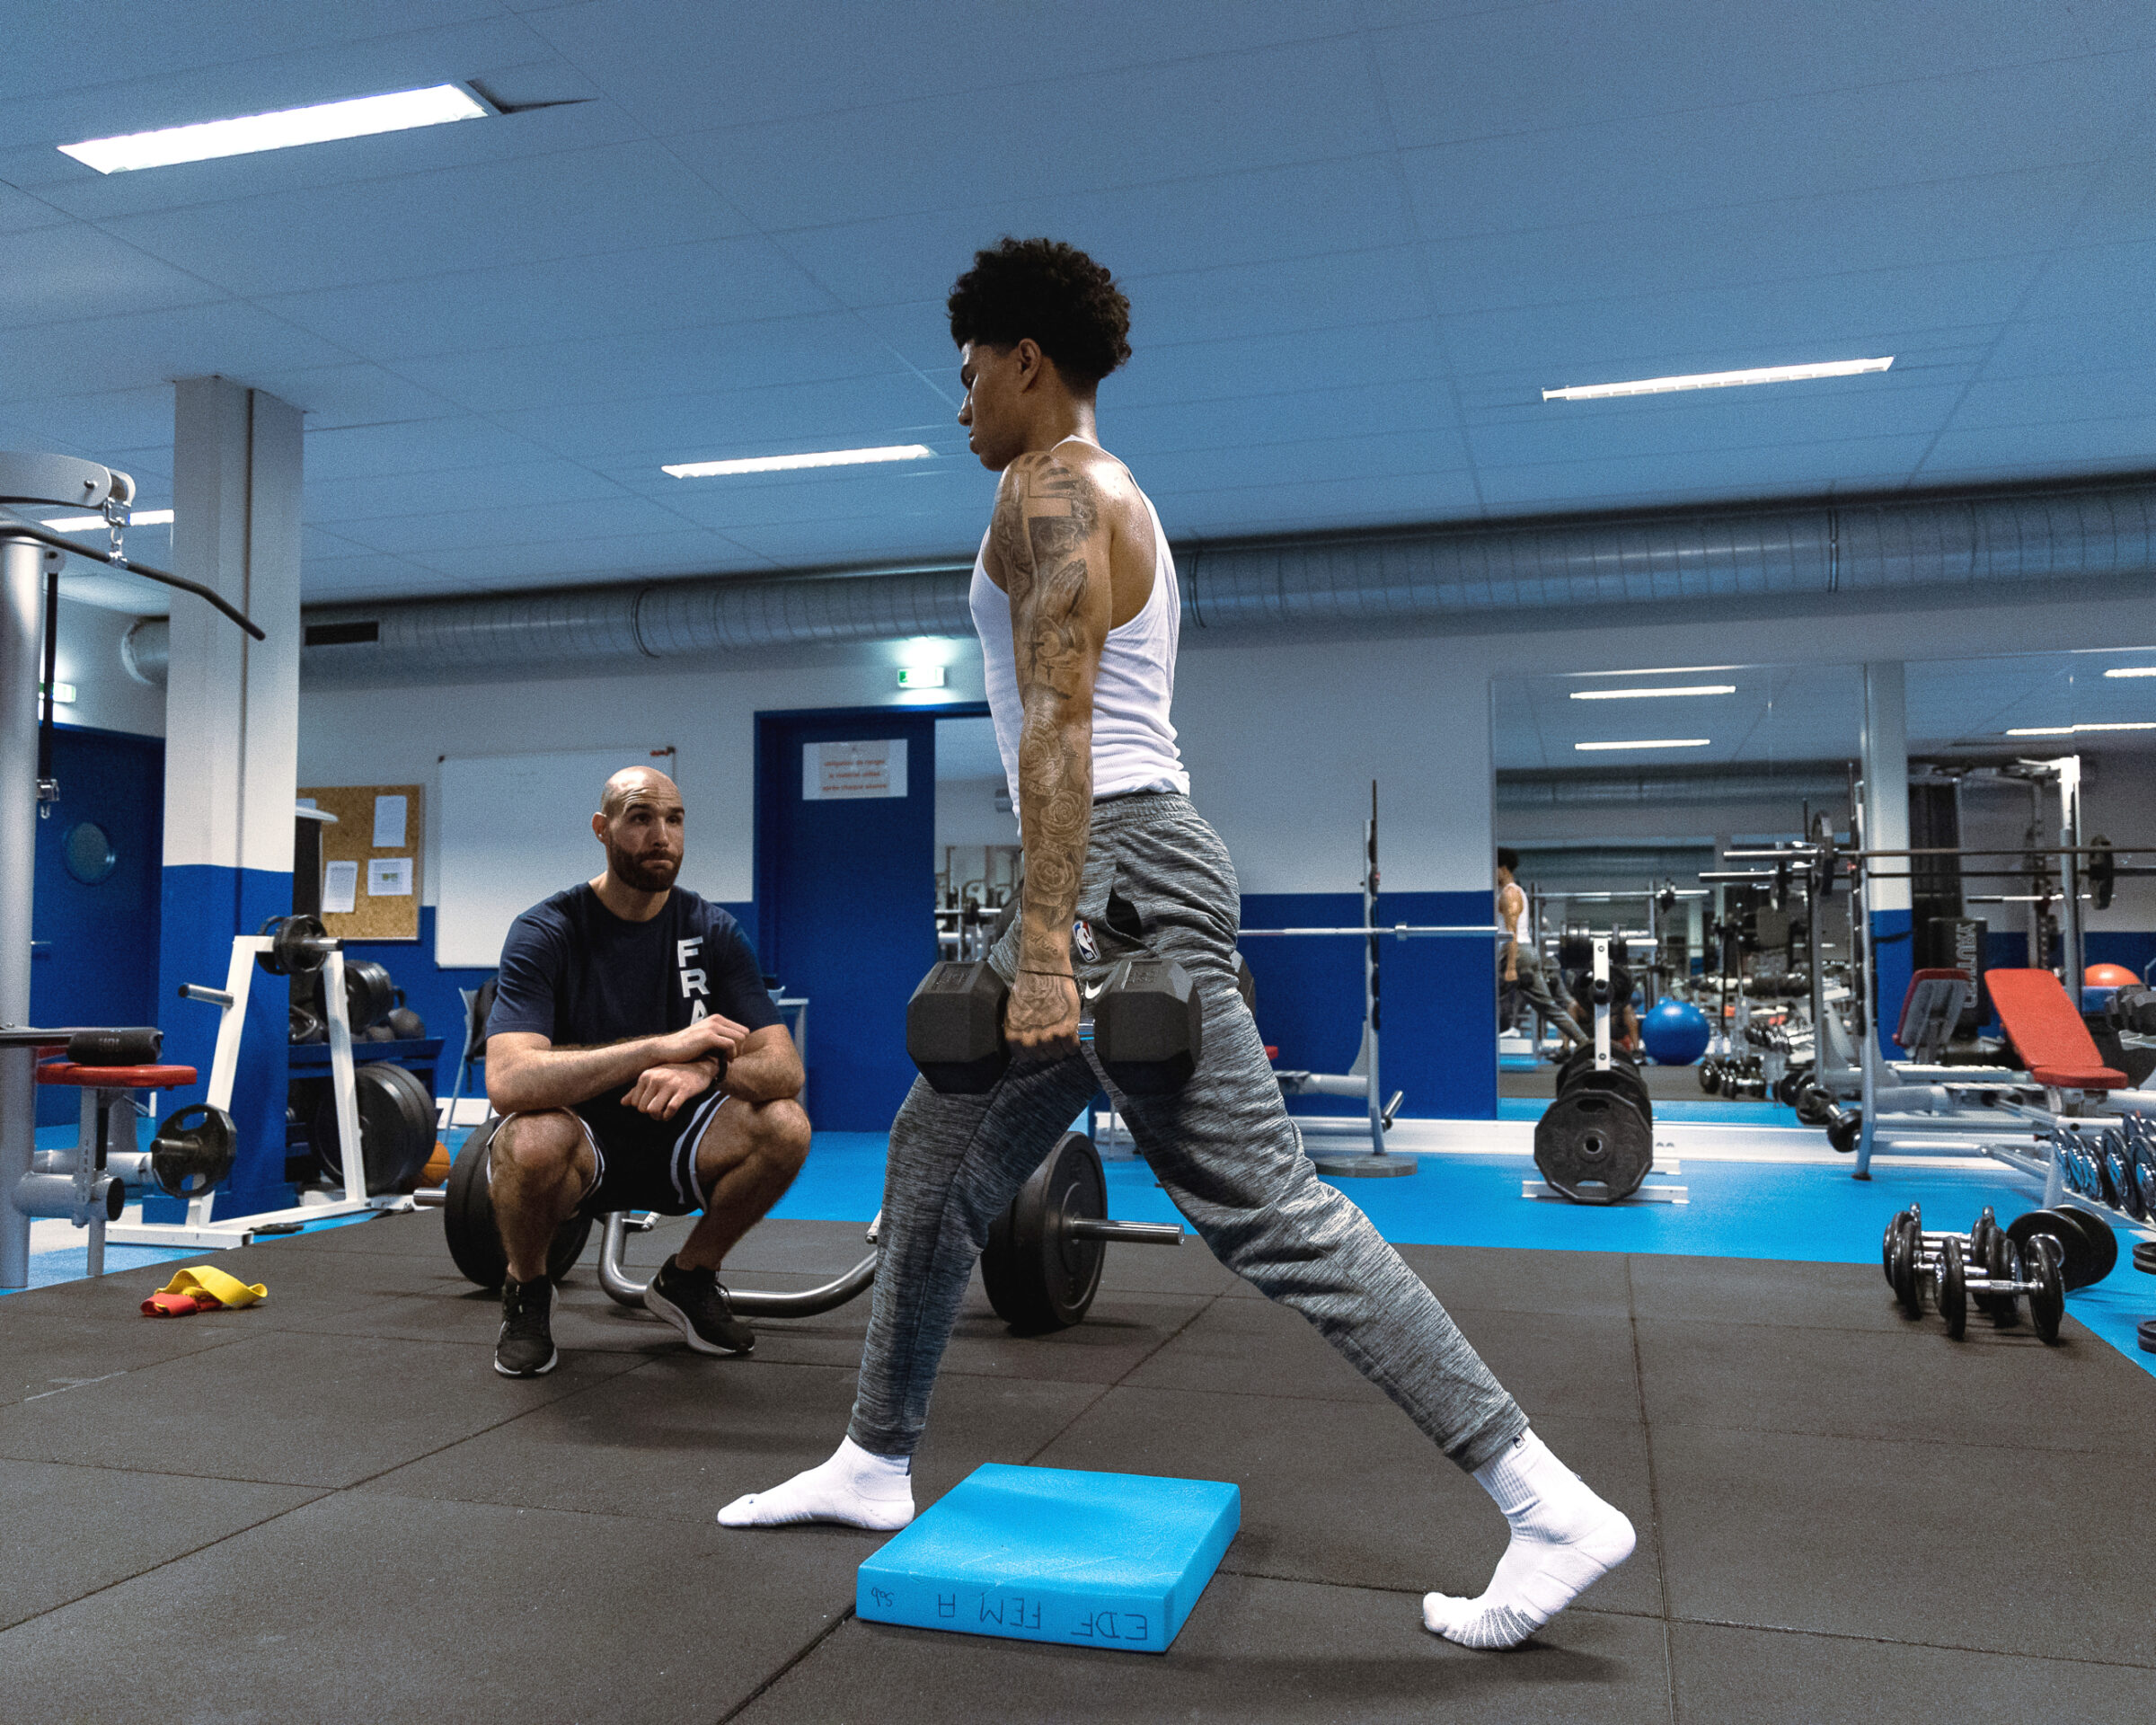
point(1398, 930)
point(59, 542)
point(1130, 1234)
point(343, 1088)
point(624, 1289)
point(22, 594)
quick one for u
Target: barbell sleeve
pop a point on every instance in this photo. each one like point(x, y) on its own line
point(1129, 1233)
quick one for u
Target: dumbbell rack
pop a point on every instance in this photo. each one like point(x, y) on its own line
point(199, 1229)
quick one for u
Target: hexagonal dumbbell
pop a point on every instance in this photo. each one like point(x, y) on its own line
point(1144, 1025)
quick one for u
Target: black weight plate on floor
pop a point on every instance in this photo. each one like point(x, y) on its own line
point(1894, 1233)
point(2047, 1303)
point(1038, 1277)
point(2000, 1265)
point(1593, 1146)
point(2146, 1333)
point(1951, 1289)
point(1906, 1289)
point(474, 1236)
point(2145, 1256)
point(395, 1140)
point(2103, 1244)
point(2077, 1250)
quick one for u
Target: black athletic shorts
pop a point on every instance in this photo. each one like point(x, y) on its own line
point(645, 1163)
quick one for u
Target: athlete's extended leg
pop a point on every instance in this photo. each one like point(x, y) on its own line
point(1231, 1160)
point(955, 1164)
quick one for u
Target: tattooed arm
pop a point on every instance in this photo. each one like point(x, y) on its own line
point(1051, 535)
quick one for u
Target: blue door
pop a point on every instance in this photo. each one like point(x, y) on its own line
point(845, 894)
point(95, 917)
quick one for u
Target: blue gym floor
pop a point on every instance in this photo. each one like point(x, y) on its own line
point(1795, 1212)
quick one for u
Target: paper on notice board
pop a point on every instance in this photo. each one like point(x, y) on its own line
point(389, 823)
point(389, 877)
point(339, 888)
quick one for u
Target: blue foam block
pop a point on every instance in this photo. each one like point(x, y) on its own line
point(1047, 1555)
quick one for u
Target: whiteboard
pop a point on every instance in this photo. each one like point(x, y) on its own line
point(516, 829)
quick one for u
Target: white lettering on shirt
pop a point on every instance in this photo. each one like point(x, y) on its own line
point(684, 950)
point(692, 983)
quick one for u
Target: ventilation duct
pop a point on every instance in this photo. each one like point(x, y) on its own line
point(1822, 784)
point(1373, 581)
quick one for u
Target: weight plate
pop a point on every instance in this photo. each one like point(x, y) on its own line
point(2047, 1300)
point(2103, 1245)
point(2145, 1332)
point(2105, 1169)
point(2145, 1256)
point(1038, 1278)
point(2001, 1265)
point(2078, 1253)
point(1894, 1233)
point(1593, 1146)
point(474, 1236)
point(397, 1126)
point(1952, 1288)
point(1906, 1289)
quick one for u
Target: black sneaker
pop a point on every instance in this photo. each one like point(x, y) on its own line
point(693, 1303)
point(525, 1346)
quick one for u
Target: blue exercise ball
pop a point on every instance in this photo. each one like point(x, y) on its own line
point(1675, 1032)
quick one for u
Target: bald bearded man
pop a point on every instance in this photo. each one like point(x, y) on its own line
point(635, 1062)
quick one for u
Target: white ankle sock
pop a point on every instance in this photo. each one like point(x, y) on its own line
point(1563, 1538)
point(854, 1487)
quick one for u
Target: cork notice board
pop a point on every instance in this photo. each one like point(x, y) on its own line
point(381, 881)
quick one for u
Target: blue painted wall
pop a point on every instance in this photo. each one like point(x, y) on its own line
point(1438, 997)
point(96, 957)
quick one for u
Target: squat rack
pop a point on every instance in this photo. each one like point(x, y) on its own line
point(1361, 1079)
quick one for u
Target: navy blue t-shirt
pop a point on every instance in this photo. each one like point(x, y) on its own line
point(574, 973)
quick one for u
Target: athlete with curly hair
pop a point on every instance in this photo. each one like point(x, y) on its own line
point(1075, 599)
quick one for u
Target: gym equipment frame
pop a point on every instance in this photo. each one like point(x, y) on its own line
point(29, 641)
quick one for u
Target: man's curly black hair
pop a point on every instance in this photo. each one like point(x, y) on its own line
point(1052, 292)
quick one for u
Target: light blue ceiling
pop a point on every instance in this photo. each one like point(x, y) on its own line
point(1359, 241)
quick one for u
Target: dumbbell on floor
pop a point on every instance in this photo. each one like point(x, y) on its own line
point(1144, 1026)
point(2006, 1271)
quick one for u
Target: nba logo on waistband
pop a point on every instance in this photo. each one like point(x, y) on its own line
point(1082, 937)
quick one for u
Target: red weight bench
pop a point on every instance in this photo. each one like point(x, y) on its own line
point(97, 1199)
point(2049, 1033)
point(1930, 1011)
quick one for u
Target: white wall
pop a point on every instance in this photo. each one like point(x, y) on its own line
point(1282, 732)
point(87, 655)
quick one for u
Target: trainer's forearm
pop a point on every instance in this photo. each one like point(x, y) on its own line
point(523, 1080)
point(1055, 815)
point(770, 1074)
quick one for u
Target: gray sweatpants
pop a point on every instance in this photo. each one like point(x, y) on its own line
point(1224, 1148)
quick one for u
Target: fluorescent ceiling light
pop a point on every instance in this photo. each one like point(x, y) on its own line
point(787, 464)
point(1641, 695)
point(96, 523)
point(1652, 742)
point(2074, 730)
point(360, 118)
point(1718, 379)
point(2133, 670)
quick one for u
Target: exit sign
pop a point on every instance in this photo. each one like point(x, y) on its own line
point(920, 676)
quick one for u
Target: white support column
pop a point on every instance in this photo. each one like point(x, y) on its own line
point(233, 736)
point(1886, 764)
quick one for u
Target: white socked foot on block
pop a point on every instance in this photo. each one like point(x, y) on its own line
point(854, 1488)
point(1564, 1539)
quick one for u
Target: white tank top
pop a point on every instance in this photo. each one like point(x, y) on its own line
point(1134, 745)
